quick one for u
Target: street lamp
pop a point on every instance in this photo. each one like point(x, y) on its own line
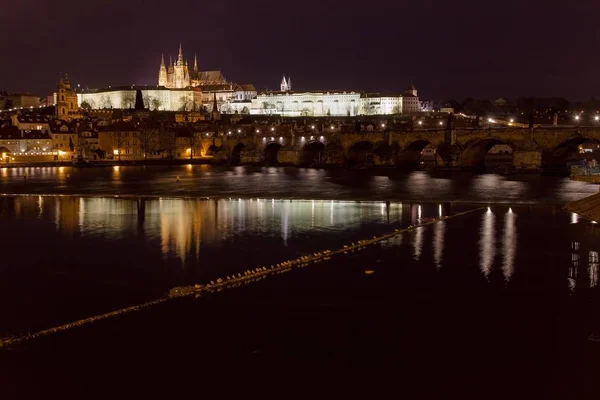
point(420, 122)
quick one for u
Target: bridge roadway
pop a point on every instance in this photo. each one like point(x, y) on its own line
point(462, 148)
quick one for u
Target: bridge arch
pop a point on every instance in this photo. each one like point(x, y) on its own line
point(474, 155)
point(236, 153)
point(360, 153)
point(567, 152)
point(312, 153)
point(271, 151)
point(416, 153)
point(212, 150)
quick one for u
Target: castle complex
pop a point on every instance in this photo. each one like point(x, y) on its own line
point(180, 88)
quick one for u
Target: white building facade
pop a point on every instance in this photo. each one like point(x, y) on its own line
point(319, 104)
point(155, 98)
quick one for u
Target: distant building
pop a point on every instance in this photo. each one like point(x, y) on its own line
point(26, 100)
point(67, 105)
point(333, 103)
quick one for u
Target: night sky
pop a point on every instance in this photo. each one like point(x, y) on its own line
point(448, 49)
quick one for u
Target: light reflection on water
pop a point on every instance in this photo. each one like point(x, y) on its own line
point(509, 243)
point(182, 228)
point(487, 243)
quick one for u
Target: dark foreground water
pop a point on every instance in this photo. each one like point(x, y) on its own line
point(293, 183)
point(497, 303)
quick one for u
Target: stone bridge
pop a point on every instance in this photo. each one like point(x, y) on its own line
point(461, 148)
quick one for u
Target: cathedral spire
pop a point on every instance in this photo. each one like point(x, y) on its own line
point(180, 57)
point(162, 60)
point(195, 63)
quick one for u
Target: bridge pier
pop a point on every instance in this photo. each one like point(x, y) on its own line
point(527, 160)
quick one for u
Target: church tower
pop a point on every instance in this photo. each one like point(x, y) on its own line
point(67, 106)
point(284, 85)
point(182, 77)
point(162, 74)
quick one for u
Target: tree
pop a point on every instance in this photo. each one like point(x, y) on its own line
point(119, 141)
point(193, 140)
point(167, 140)
point(368, 108)
point(8, 104)
point(85, 106)
point(156, 103)
point(147, 136)
point(185, 104)
point(105, 102)
point(128, 100)
point(71, 144)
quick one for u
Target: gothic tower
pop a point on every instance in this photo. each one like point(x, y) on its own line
point(162, 74)
point(182, 77)
point(284, 85)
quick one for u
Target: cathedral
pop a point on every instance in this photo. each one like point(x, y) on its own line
point(178, 75)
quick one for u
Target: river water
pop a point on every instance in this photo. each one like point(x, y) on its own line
point(516, 271)
point(293, 183)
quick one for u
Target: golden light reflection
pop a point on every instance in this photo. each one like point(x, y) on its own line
point(509, 243)
point(439, 230)
point(593, 268)
point(487, 242)
point(418, 242)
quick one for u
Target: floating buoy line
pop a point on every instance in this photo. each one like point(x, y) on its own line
point(229, 282)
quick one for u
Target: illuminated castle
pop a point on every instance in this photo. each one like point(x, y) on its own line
point(178, 75)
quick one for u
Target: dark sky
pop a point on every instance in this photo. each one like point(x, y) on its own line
point(448, 49)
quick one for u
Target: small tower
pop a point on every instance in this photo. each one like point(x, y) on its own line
point(284, 85)
point(215, 114)
point(139, 101)
point(162, 73)
point(289, 83)
point(412, 90)
point(195, 64)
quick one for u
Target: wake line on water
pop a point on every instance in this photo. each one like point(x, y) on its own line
point(229, 282)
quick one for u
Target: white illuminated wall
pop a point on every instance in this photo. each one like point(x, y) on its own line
point(169, 100)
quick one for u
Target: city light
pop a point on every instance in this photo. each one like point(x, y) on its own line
point(383, 125)
point(312, 127)
point(332, 127)
point(441, 123)
point(420, 122)
point(257, 131)
point(512, 120)
point(272, 129)
point(239, 131)
point(596, 118)
point(116, 152)
point(577, 118)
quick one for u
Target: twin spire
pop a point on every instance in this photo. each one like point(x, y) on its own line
point(286, 85)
